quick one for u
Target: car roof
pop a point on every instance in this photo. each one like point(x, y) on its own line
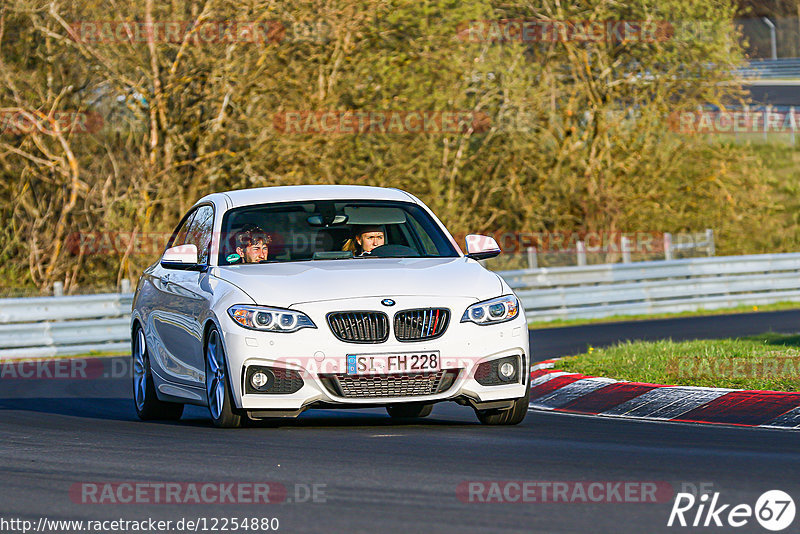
point(288, 193)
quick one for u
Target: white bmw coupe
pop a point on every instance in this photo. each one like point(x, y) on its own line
point(271, 301)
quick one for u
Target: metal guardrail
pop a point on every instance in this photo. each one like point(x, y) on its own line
point(28, 310)
point(52, 326)
point(656, 287)
point(770, 69)
point(55, 326)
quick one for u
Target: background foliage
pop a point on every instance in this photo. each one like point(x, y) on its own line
point(578, 138)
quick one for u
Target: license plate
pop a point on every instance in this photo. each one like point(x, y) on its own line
point(381, 364)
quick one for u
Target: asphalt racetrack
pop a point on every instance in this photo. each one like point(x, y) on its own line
point(370, 474)
point(555, 342)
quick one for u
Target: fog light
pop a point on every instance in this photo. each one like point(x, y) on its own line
point(259, 379)
point(262, 379)
point(507, 370)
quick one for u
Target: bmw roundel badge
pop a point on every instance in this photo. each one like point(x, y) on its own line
point(387, 302)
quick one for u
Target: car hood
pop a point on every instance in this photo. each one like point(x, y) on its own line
point(285, 284)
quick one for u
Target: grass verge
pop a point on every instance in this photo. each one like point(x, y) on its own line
point(765, 362)
point(777, 306)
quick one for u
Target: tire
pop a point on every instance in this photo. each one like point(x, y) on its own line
point(409, 411)
point(512, 416)
point(218, 389)
point(148, 406)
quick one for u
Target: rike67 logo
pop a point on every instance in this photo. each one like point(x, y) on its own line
point(774, 510)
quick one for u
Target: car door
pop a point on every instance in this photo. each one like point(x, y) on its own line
point(161, 324)
point(167, 334)
point(190, 295)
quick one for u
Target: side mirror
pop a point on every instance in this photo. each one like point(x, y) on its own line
point(181, 257)
point(481, 247)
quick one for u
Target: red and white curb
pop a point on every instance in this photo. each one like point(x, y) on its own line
point(558, 391)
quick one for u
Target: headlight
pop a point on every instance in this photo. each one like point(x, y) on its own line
point(492, 311)
point(269, 319)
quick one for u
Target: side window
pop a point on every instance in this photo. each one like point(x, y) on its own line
point(199, 233)
point(180, 234)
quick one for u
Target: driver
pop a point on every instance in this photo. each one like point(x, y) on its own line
point(365, 239)
point(251, 244)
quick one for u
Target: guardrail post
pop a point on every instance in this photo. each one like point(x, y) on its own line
point(773, 40)
point(581, 253)
point(626, 249)
point(667, 246)
point(533, 260)
point(710, 241)
point(125, 286)
point(58, 289)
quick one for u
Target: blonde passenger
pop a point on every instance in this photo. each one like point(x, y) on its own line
point(365, 239)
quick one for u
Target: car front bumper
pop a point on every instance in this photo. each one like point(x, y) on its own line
point(316, 354)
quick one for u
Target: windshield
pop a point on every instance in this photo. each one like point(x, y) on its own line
point(328, 229)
